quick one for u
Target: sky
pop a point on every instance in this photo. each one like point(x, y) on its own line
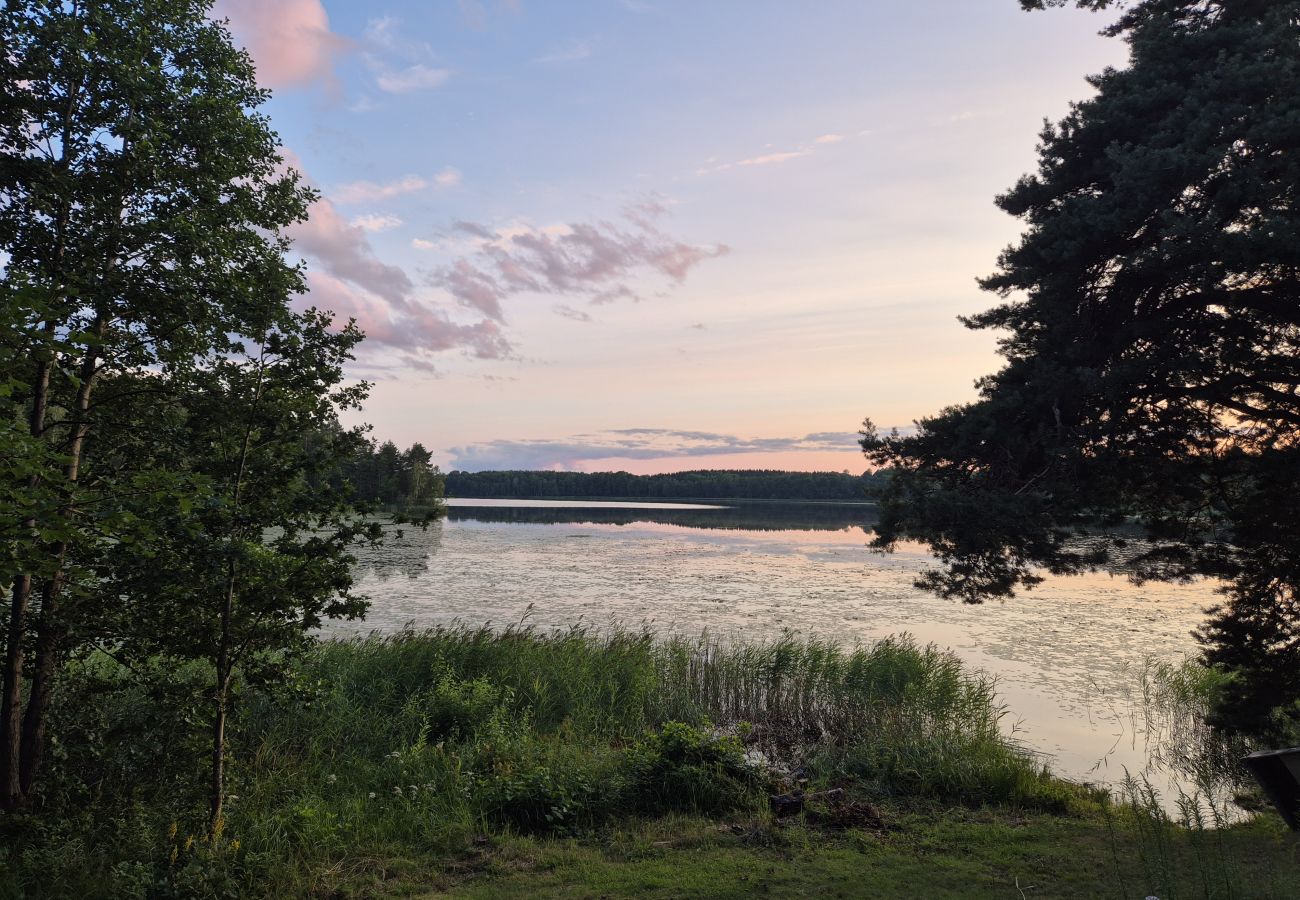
point(657, 235)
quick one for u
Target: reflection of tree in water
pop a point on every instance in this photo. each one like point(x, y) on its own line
point(741, 517)
point(406, 550)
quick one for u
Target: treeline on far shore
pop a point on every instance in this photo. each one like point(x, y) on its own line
point(732, 484)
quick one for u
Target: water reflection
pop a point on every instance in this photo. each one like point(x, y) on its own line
point(734, 517)
point(406, 551)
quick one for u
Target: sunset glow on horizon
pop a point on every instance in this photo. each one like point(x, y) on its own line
point(656, 235)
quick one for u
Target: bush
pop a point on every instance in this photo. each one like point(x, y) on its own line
point(685, 768)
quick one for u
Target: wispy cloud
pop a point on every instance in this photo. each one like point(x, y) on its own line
point(596, 261)
point(370, 191)
point(772, 158)
point(290, 40)
point(417, 77)
point(635, 443)
point(348, 278)
point(768, 159)
point(375, 223)
point(401, 65)
point(570, 313)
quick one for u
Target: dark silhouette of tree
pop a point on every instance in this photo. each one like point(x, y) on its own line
point(1151, 332)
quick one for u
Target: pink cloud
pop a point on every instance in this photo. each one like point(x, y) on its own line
point(412, 328)
point(768, 159)
point(369, 191)
point(347, 278)
point(290, 40)
point(345, 252)
point(580, 260)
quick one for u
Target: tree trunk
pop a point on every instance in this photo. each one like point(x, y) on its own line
point(52, 627)
point(13, 724)
point(218, 788)
point(48, 642)
point(12, 794)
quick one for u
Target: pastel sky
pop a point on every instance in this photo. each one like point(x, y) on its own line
point(660, 234)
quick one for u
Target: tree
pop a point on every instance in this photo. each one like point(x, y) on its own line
point(1152, 344)
point(242, 574)
point(142, 200)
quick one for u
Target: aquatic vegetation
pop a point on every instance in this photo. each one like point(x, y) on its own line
point(407, 749)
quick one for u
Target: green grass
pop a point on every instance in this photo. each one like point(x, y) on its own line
point(583, 764)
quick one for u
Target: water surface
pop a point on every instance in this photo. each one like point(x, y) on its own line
point(1066, 655)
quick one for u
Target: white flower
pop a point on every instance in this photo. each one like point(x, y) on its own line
point(372, 795)
point(397, 790)
point(331, 778)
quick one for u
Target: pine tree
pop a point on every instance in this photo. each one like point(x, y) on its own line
point(1151, 332)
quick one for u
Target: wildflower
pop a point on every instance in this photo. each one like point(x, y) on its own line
point(331, 778)
point(395, 755)
point(372, 795)
point(397, 790)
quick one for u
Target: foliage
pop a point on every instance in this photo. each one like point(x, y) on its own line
point(1150, 332)
point(412, 745)
point(380, 473)
point(142, 199)
point(175, 453)
point(245, 570)
point(413, 762)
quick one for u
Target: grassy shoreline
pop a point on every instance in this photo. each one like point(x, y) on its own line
point(490, 762)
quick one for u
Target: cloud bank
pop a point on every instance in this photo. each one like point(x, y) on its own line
point(635, 443)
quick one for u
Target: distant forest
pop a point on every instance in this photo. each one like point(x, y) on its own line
point(729, 484)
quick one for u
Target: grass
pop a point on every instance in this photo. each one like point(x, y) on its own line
point(577, 763)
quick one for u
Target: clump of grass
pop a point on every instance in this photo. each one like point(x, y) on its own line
point(1175, 701)
point(1180, 855)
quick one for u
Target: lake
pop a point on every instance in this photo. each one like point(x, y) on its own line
point(1067, 655)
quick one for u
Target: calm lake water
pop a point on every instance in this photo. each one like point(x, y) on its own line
point(1067, 655)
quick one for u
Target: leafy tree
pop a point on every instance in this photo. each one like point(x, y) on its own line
point(1152, 344)
point(141, 205)
point(241, 574)
point(384, 475)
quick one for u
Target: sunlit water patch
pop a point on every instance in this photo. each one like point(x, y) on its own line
point(1067, 655)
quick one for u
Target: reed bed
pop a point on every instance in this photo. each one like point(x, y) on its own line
point(411, 744)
